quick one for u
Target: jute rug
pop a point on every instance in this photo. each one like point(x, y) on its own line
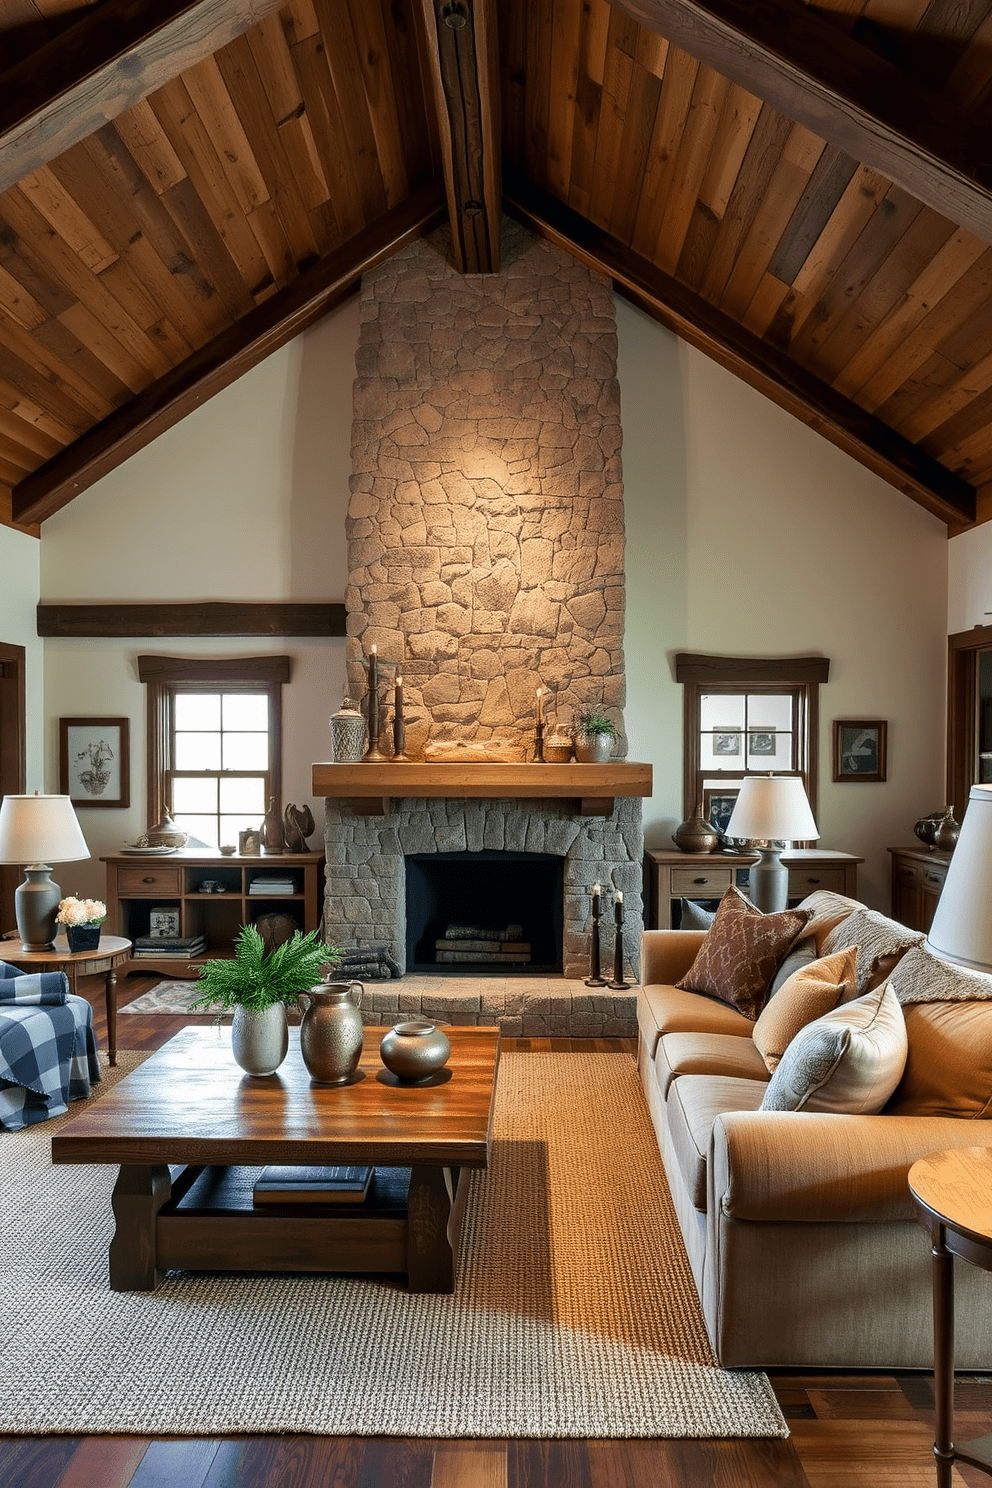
point(575, 1313)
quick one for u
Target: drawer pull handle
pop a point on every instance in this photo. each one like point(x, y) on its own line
point(700, 880)
point(812, 880)
point(148, 878)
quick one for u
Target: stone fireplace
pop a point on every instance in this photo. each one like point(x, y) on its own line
point(485, 539)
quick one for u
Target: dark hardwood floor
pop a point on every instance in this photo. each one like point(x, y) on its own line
point(848, 1431)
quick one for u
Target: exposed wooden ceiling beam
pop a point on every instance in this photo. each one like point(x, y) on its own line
point(113, 56)
point(862, 435)
point(464, 65)
point(200, 619)
point(223, 360)
point(785, 53)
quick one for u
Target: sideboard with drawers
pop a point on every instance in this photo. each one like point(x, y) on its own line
point(673, 875)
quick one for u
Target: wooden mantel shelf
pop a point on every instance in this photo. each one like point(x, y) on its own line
point(594, 787)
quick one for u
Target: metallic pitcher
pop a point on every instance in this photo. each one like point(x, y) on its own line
point(331, 1032)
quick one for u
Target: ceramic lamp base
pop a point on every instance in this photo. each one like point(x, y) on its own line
point(36, 903)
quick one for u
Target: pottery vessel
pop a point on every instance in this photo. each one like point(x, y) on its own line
point(696, 835)
point(260, 1040)
point(414, 1049)
point(947, 833)
point(594, 749)
point(926, 828)
point(330, 1032)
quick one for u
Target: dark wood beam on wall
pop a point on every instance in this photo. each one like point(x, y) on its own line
point(786, 54)
point(464, 66)
point(115, 55)
point(199, 619)
point(223, 360)
point(860, 434)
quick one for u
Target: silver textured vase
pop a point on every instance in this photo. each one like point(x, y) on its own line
point(594, 749)
point(347, 734)
point(260, 1040)
point(414, 1049)
point(330, 1032)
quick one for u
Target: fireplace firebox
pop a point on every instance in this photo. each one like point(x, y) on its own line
point(485, 913)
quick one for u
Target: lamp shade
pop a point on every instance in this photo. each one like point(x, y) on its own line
point(773, 808)
point(40, 829)
point(962, 924)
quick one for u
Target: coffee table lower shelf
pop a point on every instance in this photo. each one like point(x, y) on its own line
point(202, 1219)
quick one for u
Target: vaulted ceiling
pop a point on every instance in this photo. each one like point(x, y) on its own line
point(804, 192)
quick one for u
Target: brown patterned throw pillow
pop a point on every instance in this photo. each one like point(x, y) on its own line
point(741, 953)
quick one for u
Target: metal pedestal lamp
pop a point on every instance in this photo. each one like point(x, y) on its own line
point(962, 924)
point(39, 831)
point(773, 809)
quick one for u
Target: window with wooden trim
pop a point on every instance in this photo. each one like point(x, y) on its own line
point(214, 742)
point(747, 716)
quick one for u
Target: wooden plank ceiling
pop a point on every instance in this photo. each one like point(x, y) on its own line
point(183, 186)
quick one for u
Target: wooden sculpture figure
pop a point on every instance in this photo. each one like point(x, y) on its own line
point(299, 824)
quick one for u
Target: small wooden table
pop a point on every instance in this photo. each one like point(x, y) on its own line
point(953, 1191)
point(191, 1104)
point(112, 952)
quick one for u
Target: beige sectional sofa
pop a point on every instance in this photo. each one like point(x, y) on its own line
point(799, 1225)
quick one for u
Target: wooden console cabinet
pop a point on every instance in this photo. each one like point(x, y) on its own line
point(917, 879)
point(136, 885)
point(674, 875)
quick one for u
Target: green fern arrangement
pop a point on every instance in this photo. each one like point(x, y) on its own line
point(595, 721)
point(257, 979)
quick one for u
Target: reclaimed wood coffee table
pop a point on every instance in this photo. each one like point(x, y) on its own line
point(191, 1106)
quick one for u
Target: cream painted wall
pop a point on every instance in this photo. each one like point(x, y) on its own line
point(20, 568)
point(245, 499)
point(790, 548)
point(969, 579)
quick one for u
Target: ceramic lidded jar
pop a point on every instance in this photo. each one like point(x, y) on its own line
point(331, 1032)
point(347, 733)
point(415, 1049)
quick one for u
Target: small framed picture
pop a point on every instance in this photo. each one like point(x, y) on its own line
point(718, 805)
point(94, 762)
point(250, 843)
point(859, 749)
point(163, 920)
point(761, 741)
point(726, 741)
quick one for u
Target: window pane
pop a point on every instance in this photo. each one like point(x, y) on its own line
point(246, 751)
point(230, 826)
point(197, 710)
point(246, 710)
point(202, 827)
point(770, 710)
point(240, 796)
point(197, 752)
point(768, 751)
point(719, 710)
point(194, 795)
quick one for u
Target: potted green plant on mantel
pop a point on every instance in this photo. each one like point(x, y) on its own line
point(595, 738)
point(258, 984)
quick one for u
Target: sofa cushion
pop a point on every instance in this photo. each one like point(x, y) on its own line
point(707, 1054)
point(828, 910)
point(802, 954)
point(810, 991)
point(848, 1061)
point(671, 1010)
point(923, 977)
point(694, 1103)
point(949, 1061)
point(742, 952)
point(693, 916)
point(881, 944)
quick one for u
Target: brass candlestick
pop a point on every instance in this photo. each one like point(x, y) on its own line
point(399, 723)
point(373, 755)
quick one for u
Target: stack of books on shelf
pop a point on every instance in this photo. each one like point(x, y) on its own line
point(339, 1185)
point(271, 884)
point(169, 947)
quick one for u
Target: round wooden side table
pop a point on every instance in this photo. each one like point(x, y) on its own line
point(953, 1192)
point(112, 951)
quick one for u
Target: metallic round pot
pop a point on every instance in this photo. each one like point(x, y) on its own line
point(331, 1032)
point(594, 749)
point(260, 1040)
point(414, 1049)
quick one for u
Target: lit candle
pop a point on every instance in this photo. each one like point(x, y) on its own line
point(373, 671)
point(540, 715)
point(618, 907)
point(399, 723)
point(596, 890)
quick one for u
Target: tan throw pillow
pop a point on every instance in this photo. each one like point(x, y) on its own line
point(949, 1064)
point(848, 1062)
point(881, 944)
point(741, 953)
point(828, 911)
point(809, 993)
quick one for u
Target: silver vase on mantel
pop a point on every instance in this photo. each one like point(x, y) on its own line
point(260, 1040)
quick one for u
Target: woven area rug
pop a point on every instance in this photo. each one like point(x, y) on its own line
point(167, 997)
point(575, 1313)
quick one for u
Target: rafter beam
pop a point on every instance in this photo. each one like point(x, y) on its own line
point(112, 57)
point(785, 53)
point(224, 359)
point(464, 66)
point(861, 435)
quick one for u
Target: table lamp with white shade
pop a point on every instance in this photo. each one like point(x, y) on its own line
point(773, 809)
point(962, 924)
point(39, 831)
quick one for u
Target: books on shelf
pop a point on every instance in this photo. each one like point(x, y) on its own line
point(322, 1185)
point(177, 947)
point(270, 885)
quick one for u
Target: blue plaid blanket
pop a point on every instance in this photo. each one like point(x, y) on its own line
point(47, 1054)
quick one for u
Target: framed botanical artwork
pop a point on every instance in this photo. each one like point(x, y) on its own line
point(718, 805)
point(94, 761)
point(726, 741)
point(761, 741)
point(859, 749)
